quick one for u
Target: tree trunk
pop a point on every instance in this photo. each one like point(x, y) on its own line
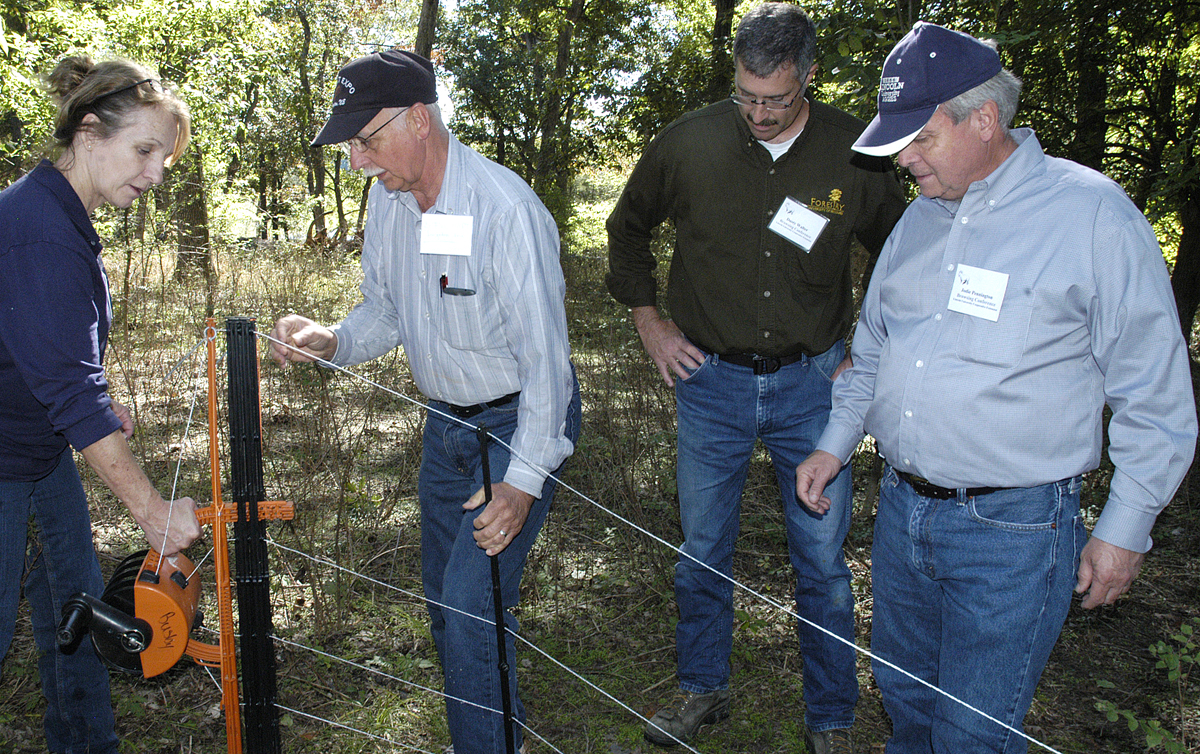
point(426, 28)
point(554, 141)
point(1091, 96)
point(314, 156)
point(139, 225)
point(362, 210)
point(191, 217)
point(721, 82)
point(343, 225)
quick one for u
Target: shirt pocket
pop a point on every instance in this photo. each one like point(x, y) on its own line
point(467, 322)
point(824, 266)
point(1000, 343)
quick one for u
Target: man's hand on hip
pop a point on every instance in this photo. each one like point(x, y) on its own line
point(672, 353)
point(502, 519)
point(1105, 572)
point(812, 475)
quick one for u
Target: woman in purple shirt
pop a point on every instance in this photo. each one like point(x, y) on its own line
point(116, 130)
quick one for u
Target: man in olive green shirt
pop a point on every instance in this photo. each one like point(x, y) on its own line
point(766, 196)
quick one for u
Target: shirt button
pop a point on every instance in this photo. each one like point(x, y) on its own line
point(938, 317)
point(766, 333)
point(991, 202)
point(908, 414)
point(771, 171)
point(950, 268)
point(920, 364)
point(963, 221)
point(766, 253)
point(907, 462)
point(766, 294)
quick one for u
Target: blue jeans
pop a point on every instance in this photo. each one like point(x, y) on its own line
point(722, 409)
point(62, 562)
point(457, 572)
point(970, 595)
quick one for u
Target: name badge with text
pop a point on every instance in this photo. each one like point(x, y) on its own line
point(446, 234)
point(798, 224)
point(978, 292)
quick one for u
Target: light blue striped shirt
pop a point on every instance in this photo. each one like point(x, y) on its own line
point(509, 336)
point(1088, 318)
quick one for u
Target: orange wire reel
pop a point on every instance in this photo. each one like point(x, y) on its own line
point(143, 621)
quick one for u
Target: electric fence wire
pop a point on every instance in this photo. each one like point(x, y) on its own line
point(375, 671)
point(515, 635)
point(768, 600)
point(183, 442)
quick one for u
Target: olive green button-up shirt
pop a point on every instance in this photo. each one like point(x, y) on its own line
point(734, 285)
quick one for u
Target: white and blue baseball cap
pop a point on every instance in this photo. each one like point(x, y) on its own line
point(929, 66)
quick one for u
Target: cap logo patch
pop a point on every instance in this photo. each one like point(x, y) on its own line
point(889, 88)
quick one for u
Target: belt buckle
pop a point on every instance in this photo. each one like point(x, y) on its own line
point(768, 365)
point(464, 412)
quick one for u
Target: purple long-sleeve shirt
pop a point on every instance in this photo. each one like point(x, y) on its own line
point(54, 319)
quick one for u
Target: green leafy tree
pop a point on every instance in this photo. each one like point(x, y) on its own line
point(530, 79)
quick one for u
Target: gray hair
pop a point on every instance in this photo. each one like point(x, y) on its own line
point(775, 35)
point(1004, 89)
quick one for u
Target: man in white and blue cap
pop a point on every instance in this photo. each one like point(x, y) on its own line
point(460, 267)
point(1016, 297)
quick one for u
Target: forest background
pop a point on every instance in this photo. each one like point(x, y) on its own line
point(255, 222)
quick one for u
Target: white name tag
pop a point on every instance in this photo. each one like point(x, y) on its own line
point(798, 224)
point(446, 234)
point(978, 292)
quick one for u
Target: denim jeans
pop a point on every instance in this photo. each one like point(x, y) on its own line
point(970, 595)
point(62, 562)
point(457, 572)
point(722, 409)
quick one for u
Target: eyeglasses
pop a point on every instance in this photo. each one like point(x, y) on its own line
point(363, 143)
point(767, 104)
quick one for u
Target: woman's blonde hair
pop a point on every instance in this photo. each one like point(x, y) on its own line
point(110, 90)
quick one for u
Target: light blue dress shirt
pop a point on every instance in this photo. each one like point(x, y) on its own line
point(1088, 318)
point(505, 330)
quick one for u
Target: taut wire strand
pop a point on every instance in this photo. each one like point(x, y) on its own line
point(382, 674)
point(377, 582)
point(678, 550)
point(182, 443)
point(343, 726)
point(517, 636)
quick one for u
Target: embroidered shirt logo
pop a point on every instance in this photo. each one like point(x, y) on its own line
point(831, 206)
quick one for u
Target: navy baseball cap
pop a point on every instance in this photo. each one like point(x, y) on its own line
point(931, 65)
point(392, 78)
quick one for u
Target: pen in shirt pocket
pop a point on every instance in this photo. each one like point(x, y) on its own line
point(448, 291)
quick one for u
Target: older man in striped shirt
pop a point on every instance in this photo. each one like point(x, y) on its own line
point(461, 267)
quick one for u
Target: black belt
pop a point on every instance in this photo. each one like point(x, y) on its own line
point(761, 364)
point(466, 412)
point(923, 488)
